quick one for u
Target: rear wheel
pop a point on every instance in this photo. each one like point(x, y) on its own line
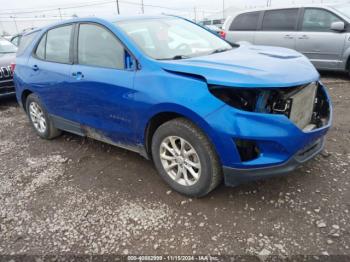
point(185, 158)
point(40, 119)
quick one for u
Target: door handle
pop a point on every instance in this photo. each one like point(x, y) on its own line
point(35, 68)
point(304, 37)
point(78, 75)
point(288, 37)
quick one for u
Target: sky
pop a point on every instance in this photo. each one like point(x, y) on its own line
point(17, 15)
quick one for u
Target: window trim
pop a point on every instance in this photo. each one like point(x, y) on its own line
point(251, 30)
point(282, 9)
point(301, 21)
point(37, 45)
point(75, 48)
point(45, 35)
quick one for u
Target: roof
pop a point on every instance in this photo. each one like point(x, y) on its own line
point(287, 7)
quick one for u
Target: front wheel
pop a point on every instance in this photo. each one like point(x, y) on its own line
point(185, 158)
point(40, 119)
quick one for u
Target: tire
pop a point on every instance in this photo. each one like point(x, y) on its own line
point(34, 107)
point(203, 159)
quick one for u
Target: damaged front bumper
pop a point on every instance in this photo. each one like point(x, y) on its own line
point(236, 176)
point(274, 143)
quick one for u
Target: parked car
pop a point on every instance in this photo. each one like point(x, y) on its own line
point(215, 22)
point(16, 39)
point(320, 32)
point(7, 57)
point(216, 30)
point(6, 37)
point(240, 113)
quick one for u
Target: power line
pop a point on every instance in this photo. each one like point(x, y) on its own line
point(54, 9)
point(87, 4)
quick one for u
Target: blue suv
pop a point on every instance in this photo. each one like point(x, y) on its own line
point(202, 109)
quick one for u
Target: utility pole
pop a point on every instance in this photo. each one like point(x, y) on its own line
point(223, 9)
point(117, 2)
point(142, 7)
point(59, 10)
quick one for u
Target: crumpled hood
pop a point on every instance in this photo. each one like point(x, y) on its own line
point(249, 66)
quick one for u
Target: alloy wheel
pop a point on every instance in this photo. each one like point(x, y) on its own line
point(37, 117)
point(180, 160)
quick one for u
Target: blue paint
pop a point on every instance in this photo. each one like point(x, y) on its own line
point(120, 103)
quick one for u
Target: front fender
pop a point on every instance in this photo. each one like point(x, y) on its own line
point(187, 113)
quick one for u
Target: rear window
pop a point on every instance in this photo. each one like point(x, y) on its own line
point(25, 42)
point(58, 44)
point(280, 20)
point(245, 22)
point(54, 46)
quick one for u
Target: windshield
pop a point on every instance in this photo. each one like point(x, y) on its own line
point(172, 38)
point(7, 47)
point(344, 9)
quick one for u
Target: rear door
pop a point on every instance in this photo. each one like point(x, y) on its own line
point(278, 28)
point(50, 66)
point(243, 28)
point(102, 78)
point(318, 42)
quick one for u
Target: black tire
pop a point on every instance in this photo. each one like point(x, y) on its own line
point(50, 131)
point(211, 171)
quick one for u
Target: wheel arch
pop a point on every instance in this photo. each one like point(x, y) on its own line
point(346, 59)
point(24, 96)
point(160, 117)
point(347, 65)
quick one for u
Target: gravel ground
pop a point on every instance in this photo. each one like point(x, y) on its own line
point(76, 195)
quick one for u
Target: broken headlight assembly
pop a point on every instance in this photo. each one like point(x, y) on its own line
point(306, 106)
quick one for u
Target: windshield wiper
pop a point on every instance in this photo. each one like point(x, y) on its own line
point(176, 57)
point(219, 50)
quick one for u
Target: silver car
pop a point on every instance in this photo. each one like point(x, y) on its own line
point(322, 32)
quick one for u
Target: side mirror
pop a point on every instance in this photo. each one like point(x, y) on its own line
point(338, 26)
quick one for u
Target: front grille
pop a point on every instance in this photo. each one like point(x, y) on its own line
point(5, 73)
point(6, 87)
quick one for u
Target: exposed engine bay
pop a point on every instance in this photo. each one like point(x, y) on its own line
point(306, 106)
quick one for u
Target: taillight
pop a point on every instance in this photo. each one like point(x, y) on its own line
point(222, 34)
point(13, 67)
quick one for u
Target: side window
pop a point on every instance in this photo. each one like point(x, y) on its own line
point(25, 42)
point(245, 22)
point(99, 47)
point(40, 50)
point(318, 20)
point(280, 20)
point(58, 44)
